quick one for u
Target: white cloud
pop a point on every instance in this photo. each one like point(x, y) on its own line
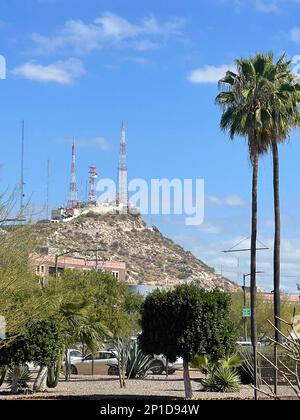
point(262, 6)
point(269, 6)
point(229, 200)
point(210, 228)
point(295, 34)
point(61, 72)
point(209, 74)
point(106, 31)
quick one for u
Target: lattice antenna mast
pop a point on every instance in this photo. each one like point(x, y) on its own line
point(122, 196)
point(73, 200)
point(93, 177)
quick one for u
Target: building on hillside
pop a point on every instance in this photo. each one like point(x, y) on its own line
point(45, 265)
point(269, 297)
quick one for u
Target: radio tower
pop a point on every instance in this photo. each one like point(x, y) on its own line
point(93, 177)
point(122, 195)
point(73, 201)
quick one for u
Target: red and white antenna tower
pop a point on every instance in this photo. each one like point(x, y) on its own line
point(122, 196)
point(93, 177)
point(73, 201)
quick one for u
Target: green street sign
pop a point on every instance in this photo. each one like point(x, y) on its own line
point(247, 313)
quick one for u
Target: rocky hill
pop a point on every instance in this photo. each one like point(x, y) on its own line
point(151, 258)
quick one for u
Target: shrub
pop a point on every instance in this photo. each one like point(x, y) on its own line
point(18, 377)
point(224, 379)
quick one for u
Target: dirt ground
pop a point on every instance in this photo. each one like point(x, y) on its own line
point(103, 387)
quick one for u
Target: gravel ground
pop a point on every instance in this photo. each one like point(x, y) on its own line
point(101, 387)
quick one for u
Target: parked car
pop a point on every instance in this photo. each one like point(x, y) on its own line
point(75, 355)
point(162, 366)
point(158, 369)
point(93, 364)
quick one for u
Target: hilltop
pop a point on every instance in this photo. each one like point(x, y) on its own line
point(151, 258)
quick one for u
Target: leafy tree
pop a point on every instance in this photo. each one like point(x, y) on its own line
point(186, 322)
point(46, 341)
point(261, 102)
point(264, 311)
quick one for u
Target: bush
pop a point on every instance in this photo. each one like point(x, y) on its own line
point(224, 379)
point(18, 378)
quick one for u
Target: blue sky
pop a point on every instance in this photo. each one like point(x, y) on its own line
point(78, 68)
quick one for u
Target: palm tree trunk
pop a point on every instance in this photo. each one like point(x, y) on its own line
point(277, 309)
point(253, 268)
point(187, 380)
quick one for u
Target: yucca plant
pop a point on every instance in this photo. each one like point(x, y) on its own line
point(222, 375)
point(227, 380)
point(224, 379)
point(18, 378)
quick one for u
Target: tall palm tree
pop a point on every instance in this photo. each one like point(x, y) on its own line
point(283, 98)
point(245, 114)
point(269, 91)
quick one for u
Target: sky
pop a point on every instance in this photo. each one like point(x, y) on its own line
point(77, 69)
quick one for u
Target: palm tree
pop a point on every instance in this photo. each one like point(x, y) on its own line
point(271, 93)
point(245, 114)
point(283, 98)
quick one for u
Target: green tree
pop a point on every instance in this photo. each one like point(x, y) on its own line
point(46, 340)
point(282, 100)
point(245, 113)
point(265, 313)
point(186, 322)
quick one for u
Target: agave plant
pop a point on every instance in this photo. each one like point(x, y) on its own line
point(138, 363)
point(18, 378)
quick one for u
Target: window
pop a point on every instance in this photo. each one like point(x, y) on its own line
point(75, 354)
point(116, 274)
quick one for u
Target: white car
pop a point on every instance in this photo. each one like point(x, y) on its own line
point(75, 355)
point(94, 364)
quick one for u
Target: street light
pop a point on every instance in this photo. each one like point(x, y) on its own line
point(245, 301)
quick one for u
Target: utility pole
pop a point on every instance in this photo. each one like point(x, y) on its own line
point(22, 183)
point(245, 302)
point(47, 189)
point(253, 302)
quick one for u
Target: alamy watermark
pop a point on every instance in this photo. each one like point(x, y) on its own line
point(159, 197)
point(2, 328)
point(2, 68)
